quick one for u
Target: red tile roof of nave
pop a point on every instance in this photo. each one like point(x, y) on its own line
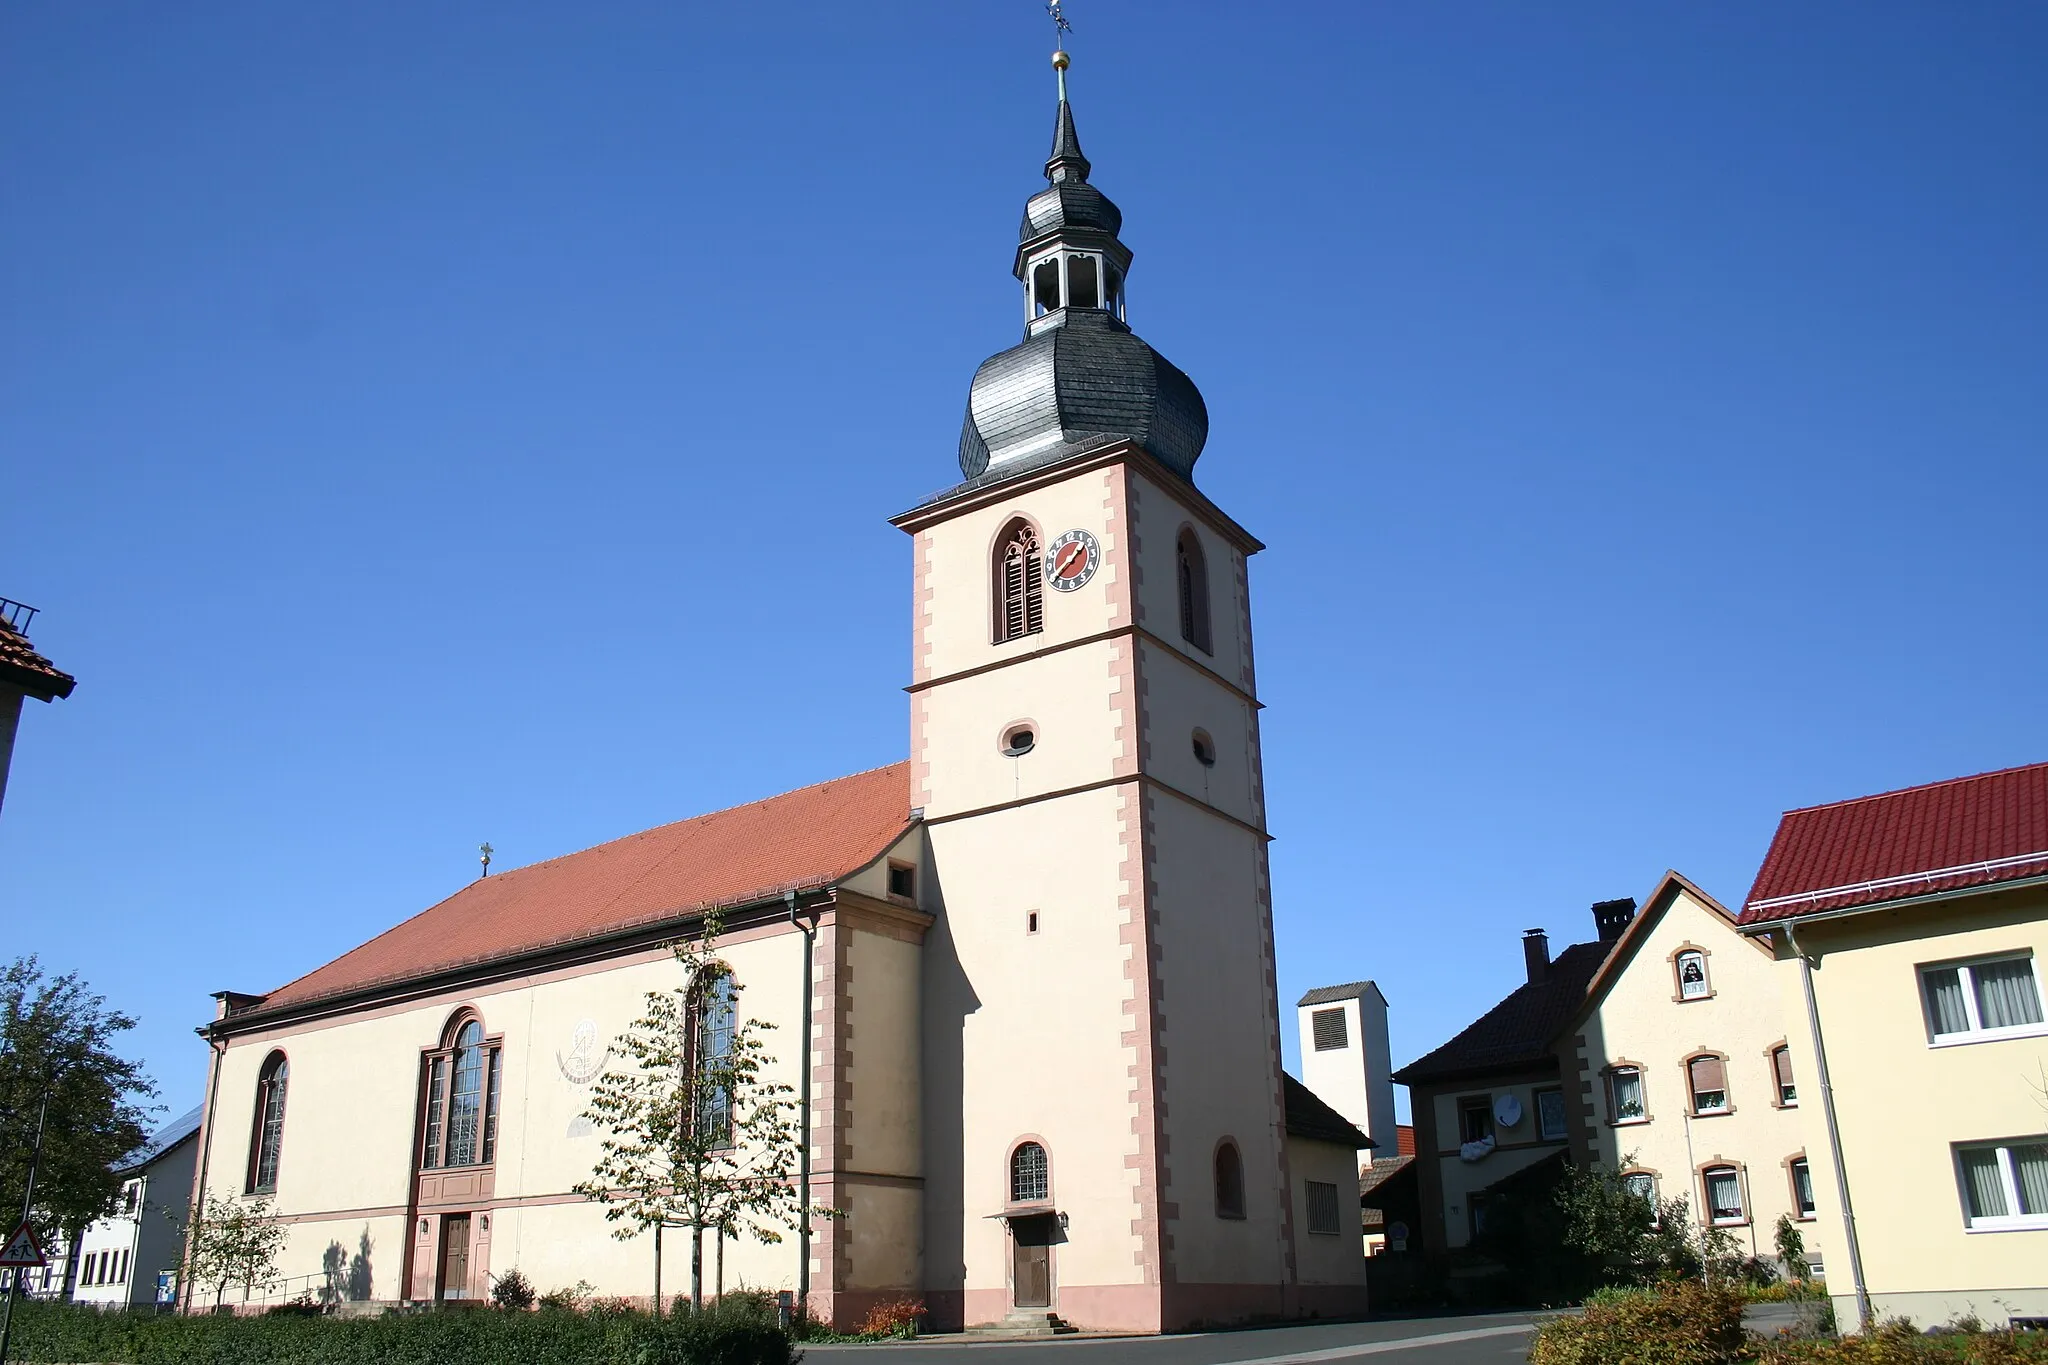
point(808, 837)
point(1404, 1139)
point(1967, 831)
point(21, 666)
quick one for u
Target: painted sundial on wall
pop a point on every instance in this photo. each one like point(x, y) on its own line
point(1072, 560)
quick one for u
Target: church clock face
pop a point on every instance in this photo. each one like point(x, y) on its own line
point(1072, 561)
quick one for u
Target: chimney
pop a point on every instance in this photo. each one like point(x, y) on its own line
point(1612, 917)
point(1536, 951)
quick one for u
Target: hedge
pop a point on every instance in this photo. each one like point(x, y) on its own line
point(738, 1331)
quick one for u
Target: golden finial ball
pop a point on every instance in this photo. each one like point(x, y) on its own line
point(1060, 61)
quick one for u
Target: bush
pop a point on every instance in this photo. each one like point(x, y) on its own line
point(1676, 1324)
point(732, 1333)
point(1896, 1343)
point(896, 1318)
point(512, 1290)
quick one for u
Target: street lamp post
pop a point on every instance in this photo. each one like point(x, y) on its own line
point(27, 1204)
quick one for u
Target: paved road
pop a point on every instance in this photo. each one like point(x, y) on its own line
point(1491, 1339)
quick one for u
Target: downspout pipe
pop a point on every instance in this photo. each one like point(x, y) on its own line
point(1864, 1316)
point(215, 1046)
point(803, 1178)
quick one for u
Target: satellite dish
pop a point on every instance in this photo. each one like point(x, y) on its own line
point(1507, 1111)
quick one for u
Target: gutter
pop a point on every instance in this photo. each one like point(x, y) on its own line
point(1864, 1316)
point(1761, 927)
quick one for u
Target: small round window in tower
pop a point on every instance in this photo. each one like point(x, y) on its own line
point(1205, 749)
point(1020, 741)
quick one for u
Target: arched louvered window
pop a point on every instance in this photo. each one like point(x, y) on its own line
point(1229, 1181)
point(1192, 573)
point(267, 1141)
point(1020, 586)
point(713, 1007)
point(1030, 1176)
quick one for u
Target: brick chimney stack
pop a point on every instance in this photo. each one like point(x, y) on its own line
point(1536, 952)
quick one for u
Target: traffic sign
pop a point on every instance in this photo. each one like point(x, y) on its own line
point(21, 1252)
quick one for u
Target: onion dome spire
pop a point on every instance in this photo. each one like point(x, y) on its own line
point(1080, 380)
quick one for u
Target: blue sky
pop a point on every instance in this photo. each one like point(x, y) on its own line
point(425, 425)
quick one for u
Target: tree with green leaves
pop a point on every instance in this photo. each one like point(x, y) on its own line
point(697, 1135)
point(233, 1241)
point(57, 1037)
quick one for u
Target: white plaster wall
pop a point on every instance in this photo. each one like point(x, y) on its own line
point(1067, 696)
point(1219, 1072)
point(1158, 516)
point(1640, 1021)
point(1319, 1257)
point(1024, 1034)
point(1179, 700)
point(1357, 1079)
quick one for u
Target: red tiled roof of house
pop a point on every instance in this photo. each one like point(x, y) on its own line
point(1968, 831)
point(805, 838)
point(1519, 1030)
point(22, 667)
point(1404, 1139)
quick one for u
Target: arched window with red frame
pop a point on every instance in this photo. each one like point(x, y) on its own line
point(464, 1076)
point(266, 1143)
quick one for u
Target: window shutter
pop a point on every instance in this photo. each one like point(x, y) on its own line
point(1329, 1030)
point(1034, 590)
point(1708, 1074)
point(1782, 1060)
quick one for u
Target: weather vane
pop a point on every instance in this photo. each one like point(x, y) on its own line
point(487, 851)
point(1060, 29)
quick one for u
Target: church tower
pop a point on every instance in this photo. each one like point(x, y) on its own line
point(1104, 1121)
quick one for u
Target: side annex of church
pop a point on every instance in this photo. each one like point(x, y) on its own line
point(1034, 962)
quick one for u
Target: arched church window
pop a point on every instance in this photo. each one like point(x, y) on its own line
point(1030, 1178)
point(1082, 284)
point(1229, 1181)
point(267, 1141)
point(714, 1012)
point(464, 1077)
point(1020, 588)
point(1192, 573)
point(1045, 286)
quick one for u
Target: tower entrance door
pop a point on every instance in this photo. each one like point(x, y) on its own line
point(1031, 1267)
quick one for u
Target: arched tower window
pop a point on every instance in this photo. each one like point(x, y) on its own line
point(1083, 287)
point(714, 1015)
point(1192, 573)
point(267, 1139)
point(464, 1076)
point(1229, 1181)
point(1030, 1176)
point(1045, 286)
point(1020, 587)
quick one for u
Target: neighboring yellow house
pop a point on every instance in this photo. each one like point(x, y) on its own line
point(1910, 927)
point(1686, 1076)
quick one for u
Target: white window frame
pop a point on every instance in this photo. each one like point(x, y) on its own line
point(1976, 1033)
point(2012, 1222)
point(1812, 1211)
point(1648, 1195)
point(1706, 986)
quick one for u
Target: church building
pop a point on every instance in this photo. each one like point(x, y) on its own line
point(1033, 962)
